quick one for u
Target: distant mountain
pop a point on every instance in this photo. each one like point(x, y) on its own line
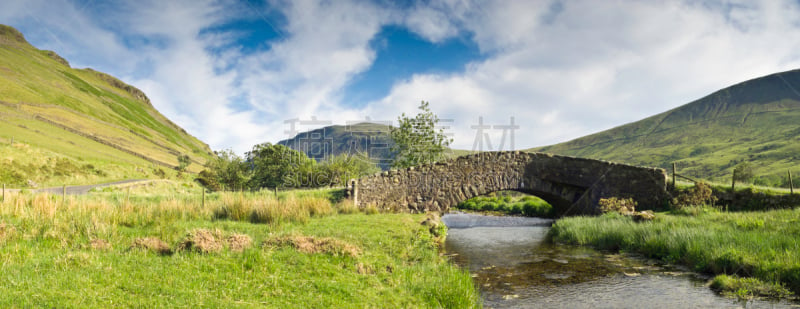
point(370, 138)
point(755, 121)
point(73, 125)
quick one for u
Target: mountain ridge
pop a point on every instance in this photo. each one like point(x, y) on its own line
point(752, 121)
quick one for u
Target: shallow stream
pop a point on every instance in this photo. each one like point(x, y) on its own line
point(515, 267)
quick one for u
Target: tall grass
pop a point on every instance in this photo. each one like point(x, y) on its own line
point(271, 210)
point(99, 214)
point(762, 245)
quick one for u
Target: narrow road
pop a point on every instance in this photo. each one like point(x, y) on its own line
point(79, 190)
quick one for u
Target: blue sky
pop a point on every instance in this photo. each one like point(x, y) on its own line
point(232, 72)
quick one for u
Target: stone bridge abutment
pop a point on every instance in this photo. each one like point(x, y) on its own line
point(571, 185)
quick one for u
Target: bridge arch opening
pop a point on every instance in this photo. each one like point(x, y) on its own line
point(522, 202)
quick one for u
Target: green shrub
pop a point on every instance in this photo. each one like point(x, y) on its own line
point(619, 205)
point(700, 194)
point(508, 204)
point(487, 206)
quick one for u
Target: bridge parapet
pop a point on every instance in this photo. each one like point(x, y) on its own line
point(571, 185)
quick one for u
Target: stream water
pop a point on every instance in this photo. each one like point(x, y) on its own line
point(515, 267)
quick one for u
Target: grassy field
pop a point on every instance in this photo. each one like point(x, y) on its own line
point(754, 253)
point(160, 245)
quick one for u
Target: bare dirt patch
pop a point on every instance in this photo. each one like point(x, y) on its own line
point(311, 245)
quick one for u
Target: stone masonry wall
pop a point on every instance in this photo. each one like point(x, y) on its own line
point(572, 185)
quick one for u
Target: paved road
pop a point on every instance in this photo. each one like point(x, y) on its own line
point(78, 190)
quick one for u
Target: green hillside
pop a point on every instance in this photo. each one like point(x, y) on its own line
point(78, 125)
point(757, 121)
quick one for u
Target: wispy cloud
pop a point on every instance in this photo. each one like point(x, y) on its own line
point(588, 65)
point(562, 69)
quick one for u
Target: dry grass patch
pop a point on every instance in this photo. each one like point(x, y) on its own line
point(311, 245)
point(203, 241)
point(239, 242)
point(207, 241)
point(152, 244)
point(6, 232)
point(347, 207)
point(371, 210)
point(362, 269)
point(100, 244)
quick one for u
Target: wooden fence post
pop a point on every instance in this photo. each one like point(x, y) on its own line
point(64, 194)
point(673, 176)
point(791, 185)
point(733, 182)
point(4, 192)
point(204, 198)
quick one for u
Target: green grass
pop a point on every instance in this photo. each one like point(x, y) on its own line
point(82, 115)
point(47, 256)
point(509, 203)
point(747, 288)
point(761, 245)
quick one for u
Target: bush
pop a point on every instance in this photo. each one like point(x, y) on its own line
point(700, 194)
point(621, 205)
point(508, 204)
point(160, 173)
point(207, 179)
point(487, 206)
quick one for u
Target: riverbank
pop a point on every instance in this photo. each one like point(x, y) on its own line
point(299, 249)
point(759, 250)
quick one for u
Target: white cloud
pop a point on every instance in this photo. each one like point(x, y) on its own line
point(561, 68)
point(592, 65)
point(432, 22)
point(303, 75)
point(69, 30)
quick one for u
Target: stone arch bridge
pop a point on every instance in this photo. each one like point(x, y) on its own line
point(571, 185)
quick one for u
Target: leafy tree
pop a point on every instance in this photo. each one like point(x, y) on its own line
point(208, 179)
point(343, 167)
point(743, 172)
point(226, 171)
point(274, 165)
point(416, 139)
point(183, 162)
point(305, 172)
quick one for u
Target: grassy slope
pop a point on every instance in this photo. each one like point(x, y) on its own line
point(754, 121)
point(47, 260)
point(80, 114)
